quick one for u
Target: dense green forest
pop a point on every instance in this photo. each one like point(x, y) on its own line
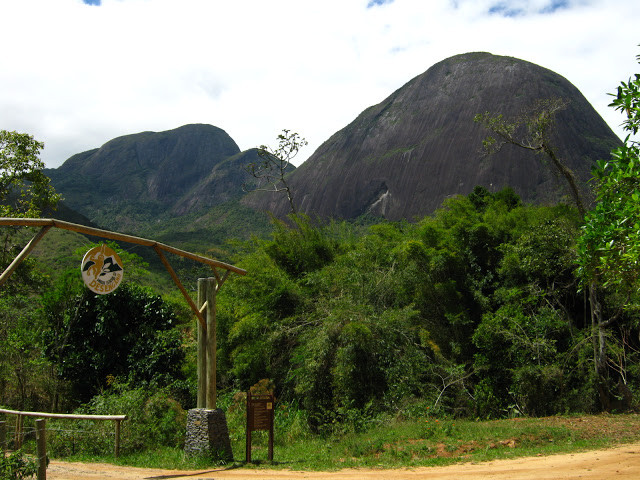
point(488, 308)
point(474, 311)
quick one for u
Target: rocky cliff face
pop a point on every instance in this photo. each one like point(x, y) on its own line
point(403, 157)
point(150, 174)
point(398, 159)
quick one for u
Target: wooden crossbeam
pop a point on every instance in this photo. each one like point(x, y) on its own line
point(23, 254)
point(97, 232)
point(185, 294)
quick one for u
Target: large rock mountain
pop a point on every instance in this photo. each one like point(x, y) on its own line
point(403, 157)
point(132, 180)
point(398, 159)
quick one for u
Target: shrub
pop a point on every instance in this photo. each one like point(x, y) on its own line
point(154, 419)
point(16, 466)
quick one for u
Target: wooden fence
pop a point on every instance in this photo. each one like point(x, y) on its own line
point(40, 432)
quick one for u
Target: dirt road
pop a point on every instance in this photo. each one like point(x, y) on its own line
point(619, 463)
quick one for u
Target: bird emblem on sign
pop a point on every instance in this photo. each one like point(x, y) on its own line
point(102, 269)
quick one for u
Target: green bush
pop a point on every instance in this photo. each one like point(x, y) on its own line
point(16, 466)
point(154, 419)
point(129, 334)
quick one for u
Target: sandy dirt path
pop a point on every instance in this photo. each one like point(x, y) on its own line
point(619, 463)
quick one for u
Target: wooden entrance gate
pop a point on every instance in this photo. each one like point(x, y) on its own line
point(205, 311)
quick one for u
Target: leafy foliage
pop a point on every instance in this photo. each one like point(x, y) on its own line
point(94, 339)
point(24, 189)
point(24, 192)
point(154, 419)
point(475, 310)
point(16, 466)
point(609, 247)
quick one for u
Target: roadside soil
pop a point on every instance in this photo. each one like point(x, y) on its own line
point(617, 463)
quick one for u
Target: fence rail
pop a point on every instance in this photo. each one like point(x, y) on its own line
point(69, 416)
point(40, 422)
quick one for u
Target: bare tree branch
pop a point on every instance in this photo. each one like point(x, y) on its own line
point(275, 164)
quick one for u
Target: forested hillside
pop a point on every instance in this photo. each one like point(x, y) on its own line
point(475, 311)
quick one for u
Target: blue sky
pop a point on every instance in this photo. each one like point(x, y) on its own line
point(91, 70)
point(517, 9)
point(377, 3)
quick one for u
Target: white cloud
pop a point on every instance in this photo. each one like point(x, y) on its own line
point(76, 75)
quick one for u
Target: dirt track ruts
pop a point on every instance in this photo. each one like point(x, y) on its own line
point(618, 463)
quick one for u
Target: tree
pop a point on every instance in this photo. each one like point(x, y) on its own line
point(609, 247)
point(274, 165)
point(531, 131)
point(24, 190)
point(610, 243)
point(94, 339)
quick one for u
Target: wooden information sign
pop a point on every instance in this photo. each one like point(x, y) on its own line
point(260, 409)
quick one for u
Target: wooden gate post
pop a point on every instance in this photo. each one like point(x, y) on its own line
point(202, 347)
point(17, 442)
point(116, 447)
point(3, 435)
point(41, 448)
point(207, 361)
point(211, 344)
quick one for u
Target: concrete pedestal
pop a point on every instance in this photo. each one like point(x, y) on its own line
point(208, 434)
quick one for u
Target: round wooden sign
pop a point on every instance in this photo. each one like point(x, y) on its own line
point(102, 270)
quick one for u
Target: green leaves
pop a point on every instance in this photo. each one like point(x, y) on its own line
point(609, 247)
point(16, 465)
point(627, 101)
point(24, 190)
point(127, 334)
point(348, 320)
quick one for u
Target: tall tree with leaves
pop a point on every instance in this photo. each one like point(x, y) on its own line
point(24, 190)
point(127, 335)
point(275, 164)
point(609, 247)
point(610, 243)
point(532, 131)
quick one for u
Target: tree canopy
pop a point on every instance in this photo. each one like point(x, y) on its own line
point(24, 190)
point(609, 246)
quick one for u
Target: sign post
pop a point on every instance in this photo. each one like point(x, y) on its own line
point(260, 417)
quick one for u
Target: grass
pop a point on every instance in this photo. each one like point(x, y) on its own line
point(395, 443)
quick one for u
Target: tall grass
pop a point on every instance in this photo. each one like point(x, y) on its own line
point(385, 441)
